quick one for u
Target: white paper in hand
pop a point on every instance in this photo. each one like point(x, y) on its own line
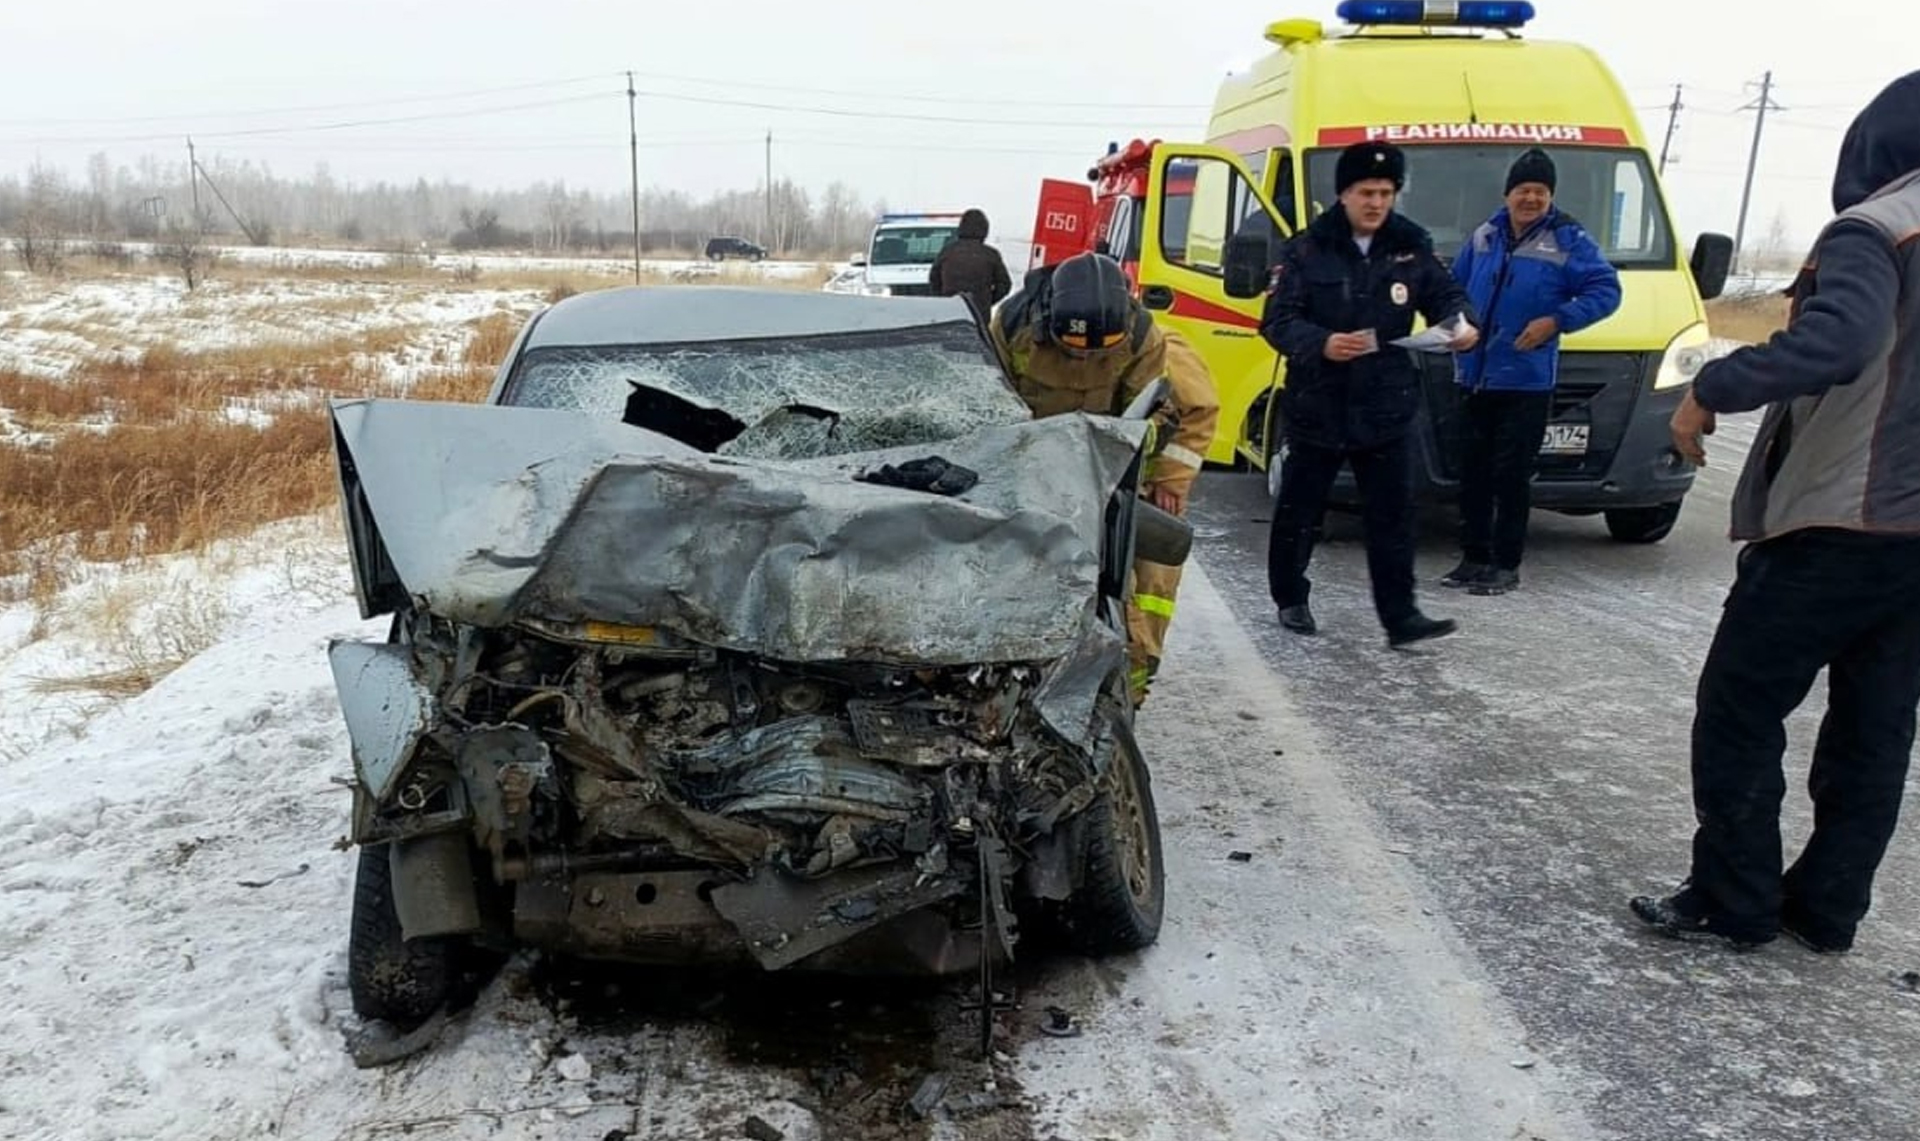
point(1435, 338)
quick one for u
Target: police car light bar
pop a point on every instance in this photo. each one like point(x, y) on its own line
point(1469, 13)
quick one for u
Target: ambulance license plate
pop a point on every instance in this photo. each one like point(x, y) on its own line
point(1565, 440)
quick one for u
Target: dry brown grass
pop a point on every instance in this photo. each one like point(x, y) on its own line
point(152, 488)
point(144, 624)
point(165, 383)
point(126, 681)
point(144, 457)
point(1749, 317)
point(161, 451)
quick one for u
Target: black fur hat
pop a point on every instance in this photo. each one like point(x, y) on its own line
point(1533, 165)
point(1362, 161)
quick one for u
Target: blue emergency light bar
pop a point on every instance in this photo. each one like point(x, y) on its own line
point(1469, 13)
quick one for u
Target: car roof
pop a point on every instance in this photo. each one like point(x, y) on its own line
point(643, 315)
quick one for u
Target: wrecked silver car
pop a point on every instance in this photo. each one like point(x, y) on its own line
point(747, 626)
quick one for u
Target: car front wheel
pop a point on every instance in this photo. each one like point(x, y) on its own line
point(1121, 899)
point(1643, 524)
point(396, 980)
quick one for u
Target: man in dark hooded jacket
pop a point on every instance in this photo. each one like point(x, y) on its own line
point(969, 267)
point(1346, 287)
point(1829, 507)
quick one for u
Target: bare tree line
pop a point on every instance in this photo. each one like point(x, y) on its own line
point(46, 210)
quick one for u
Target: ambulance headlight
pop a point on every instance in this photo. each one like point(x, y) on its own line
point(1467, 13)
point(1685, 357)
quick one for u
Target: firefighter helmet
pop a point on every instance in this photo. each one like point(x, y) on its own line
point(1089, 306)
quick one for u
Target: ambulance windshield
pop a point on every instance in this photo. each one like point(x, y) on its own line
point(1451, 189)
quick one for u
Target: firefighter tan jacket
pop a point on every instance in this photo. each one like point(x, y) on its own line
point(1052, 383)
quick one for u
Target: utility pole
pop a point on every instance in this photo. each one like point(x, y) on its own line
point(257, 236)
point(633, 148)
point(1673, 122)
point(193, 176)
point(766, 239)
point(1763, 104)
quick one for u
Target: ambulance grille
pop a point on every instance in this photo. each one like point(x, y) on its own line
point(1597, 389)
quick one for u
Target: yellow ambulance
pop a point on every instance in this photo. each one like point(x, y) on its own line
point(1461, 90)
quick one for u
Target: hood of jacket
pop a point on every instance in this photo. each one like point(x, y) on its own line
point(973, 225)
point(1882, 144)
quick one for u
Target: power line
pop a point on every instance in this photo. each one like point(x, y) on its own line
point(293, 146)
point(472, 93)
point(433, 116)
point(1740, 172)
point(350, 124)
point(1810, 125)
point(903, 116)
point(949, 100)
point(956, 148)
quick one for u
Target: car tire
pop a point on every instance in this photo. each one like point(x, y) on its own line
point(1121, 898)
point(756, 256)
point(1643, 524)
point(716, 256)
point(393, 979)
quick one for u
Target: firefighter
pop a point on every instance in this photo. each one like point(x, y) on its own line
point(1077, 341)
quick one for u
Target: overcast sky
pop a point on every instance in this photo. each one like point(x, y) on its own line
point(1040, 85)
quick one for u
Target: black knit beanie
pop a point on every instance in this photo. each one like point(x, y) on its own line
point(1362, 161)
point(1533, 165)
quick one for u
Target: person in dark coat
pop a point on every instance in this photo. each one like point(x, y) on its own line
point(969, 267)
point(1346, 286)
point(1829, 507)
point(1532, 273)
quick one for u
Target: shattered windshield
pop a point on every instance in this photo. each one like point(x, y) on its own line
point(785, 398)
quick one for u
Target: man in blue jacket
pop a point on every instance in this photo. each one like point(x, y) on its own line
point(1533, 273)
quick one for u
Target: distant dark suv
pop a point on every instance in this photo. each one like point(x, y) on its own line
point(720, 249)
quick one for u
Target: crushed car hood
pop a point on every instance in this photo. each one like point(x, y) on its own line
point(490, 514)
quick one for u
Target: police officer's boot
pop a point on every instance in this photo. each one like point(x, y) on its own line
point(1417, 627)
point(1299, 619)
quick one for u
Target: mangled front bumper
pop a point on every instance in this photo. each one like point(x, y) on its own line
point(663, 779)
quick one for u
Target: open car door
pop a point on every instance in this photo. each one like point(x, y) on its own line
point(1201, 201)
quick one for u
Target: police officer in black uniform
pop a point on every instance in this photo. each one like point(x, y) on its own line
point(1345, 287)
